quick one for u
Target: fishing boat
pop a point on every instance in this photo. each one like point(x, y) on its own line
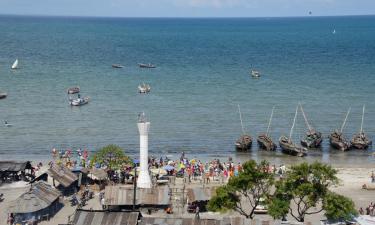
point(79, 101)
point(144, 88)
point(245, 141)
point(7, 124)
point(360, 140)
point(148, 65)
point(73, 90)
point(264, 140)
point(3, 95)
point(287, 145)
point(15, 65)
point(117, 66)
point(313, 138)
point(255, 74)
point(337, 139)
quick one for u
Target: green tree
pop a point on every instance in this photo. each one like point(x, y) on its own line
point(338, 207)
point(303, 190)
point(243, 193)
point(112, 156)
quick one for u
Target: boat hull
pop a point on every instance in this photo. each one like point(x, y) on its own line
point(265, 143)
point(290, 148)
point(360, 141)
point(244, 143)
point(3, 95)
point(312, 141)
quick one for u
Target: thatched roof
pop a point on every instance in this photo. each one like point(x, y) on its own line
point(14, 166)
point(40, 196)
point(83, 217)
point(62, 174)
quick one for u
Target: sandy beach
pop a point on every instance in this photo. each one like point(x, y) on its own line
point(351, 181)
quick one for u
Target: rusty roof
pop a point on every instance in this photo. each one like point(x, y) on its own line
point(40, 196)
point(123, 195)
point(83, 217)
point(14, 166)
point(62, 174)
point(200, 193)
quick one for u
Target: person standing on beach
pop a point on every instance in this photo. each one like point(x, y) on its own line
point(197, 213)
point(372, 177)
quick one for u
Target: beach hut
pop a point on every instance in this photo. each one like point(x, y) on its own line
point(67, 180)
point(98, 178)
point(85, 217)
point(15, 171)
point(199, 196)
point(122, 196)
point(39, 203)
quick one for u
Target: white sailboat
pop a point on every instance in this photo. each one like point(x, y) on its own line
point(15, 65)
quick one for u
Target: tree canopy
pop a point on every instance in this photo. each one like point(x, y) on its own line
point(244, 192)
point(112, 156)
point(338, 207)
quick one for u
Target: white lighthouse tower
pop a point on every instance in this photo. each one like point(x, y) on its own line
point(144, 180)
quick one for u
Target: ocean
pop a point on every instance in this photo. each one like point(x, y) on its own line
point(202, 74)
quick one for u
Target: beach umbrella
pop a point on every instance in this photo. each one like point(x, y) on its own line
point(168, 168)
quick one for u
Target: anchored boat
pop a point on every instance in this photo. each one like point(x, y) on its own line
point(117, 66)
point(255, 73)
point(79, 101)
point(337, 139)
point(144, 88)
point(313, 138)
point(15, 65)
point(3, 95)
point(148, 65)
point(287, 145)
point(360, 140)
point(73, 90)
point(245, 141)
point(264, 140)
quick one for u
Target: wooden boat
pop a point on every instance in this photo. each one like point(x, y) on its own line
point(264, 140)
point(15, 65)
point(79, 101)
point(255, 74)
point(287, 145)
point(313, 138)
point(144, 88)
point(3, 95)
point(148, 65)
point(337, 139)
point(245, 141)
point(73, 90)
point(117, 66)
point(360, 140)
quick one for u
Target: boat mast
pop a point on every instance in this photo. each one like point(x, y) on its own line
point(269, 122)
point(294, 122)
point(363, 114)
point(304, 116)
point(346, 117)
point(239, 111)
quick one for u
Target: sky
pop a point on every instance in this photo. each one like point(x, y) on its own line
point(187, 8)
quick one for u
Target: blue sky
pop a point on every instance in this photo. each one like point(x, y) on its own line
point(187, 8)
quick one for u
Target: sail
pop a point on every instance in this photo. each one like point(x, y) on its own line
point(15, 64)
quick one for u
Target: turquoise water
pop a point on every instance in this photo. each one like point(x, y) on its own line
point(202, 74)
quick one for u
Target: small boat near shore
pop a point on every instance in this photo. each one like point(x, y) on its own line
point(313, 138)
point(287, 145)
point(73, 90)
point(15, 65)
point(337, 139)
point(148, 65)
point(144, 88)
point(255, 73)
point(245, 142)
point(264, 140)
point(79, 101)
point(117, 66)
point(3, 95)
point(360, 140)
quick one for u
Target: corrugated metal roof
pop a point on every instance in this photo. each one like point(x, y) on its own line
point(105, 218)
point(200, 193)
point(40, 196)
point(98, 174)
point(123, 195)
point(193, 221)
point(62, 174)
point(14, 166)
